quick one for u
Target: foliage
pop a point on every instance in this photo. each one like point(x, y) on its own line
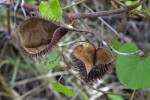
point(114, 97)
point(129, 3)
point(51, 11)
point(61, 88)
point(31, 1)
point(116, 45)
point(52, 61)
point(131, 70)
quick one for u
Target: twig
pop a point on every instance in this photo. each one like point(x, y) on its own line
point(129, 6)
point(92, 15)
point(146, 9)
point(2, 1)
point(73, 4)
point(119, 53)
point(119, 3)
point(6, 95)
point(22, 3)
point(37, 78)
point(97, 14)
point(15, 9)
point(132, 95)
point(68, 67)
point(8, 20)
point(125, 95)
point(5, 9)
point(104, 13)
point(6, 89)
point(113, 50)
point(126, 6)
point(32, 91)
point(104, 22)
point(69, 43)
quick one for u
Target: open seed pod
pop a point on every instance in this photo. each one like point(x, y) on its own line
point(39, 35)
point(92, 64)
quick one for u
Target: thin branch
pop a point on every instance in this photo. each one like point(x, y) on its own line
point(68, 67)
point(25, 81)
point(103, 21)
point(111, 48)
point(6, 95)
point(22, 3)
point(119, 53)
point(43, 85)
point(104, 13)
point(124, 95)
point(132, 95)
point(129, 6)
point(140, 15)
point(74, 4)
point(146, 9)
point(119, 3)
point(15, 9)
point(8, 20)
point(92, 15)
point(96, 14)
point(69, 43)
point(2, 1)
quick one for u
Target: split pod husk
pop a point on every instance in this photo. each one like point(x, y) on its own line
point(38, 35)
point(92, 63)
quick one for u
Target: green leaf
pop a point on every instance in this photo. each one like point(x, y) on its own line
point(51, 11)
point(116, 45)
point(61, 88)
point(131, 70)
point(149, 92)
point(31, 1)
point(129, 3)
point(52, 61)
point(114, 97)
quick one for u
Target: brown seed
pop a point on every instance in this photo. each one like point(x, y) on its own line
point(92, 64)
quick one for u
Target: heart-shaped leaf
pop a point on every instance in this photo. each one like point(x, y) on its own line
point(61, 88)
point(131, 70)
point(52, 61)
point(51, 11)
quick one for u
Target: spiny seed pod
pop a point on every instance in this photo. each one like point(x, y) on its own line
point(92, 64)
point(39, 35)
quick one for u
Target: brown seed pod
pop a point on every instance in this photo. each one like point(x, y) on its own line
point(92, 64)
point(39, 35)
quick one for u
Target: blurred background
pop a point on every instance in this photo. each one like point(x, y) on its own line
point(25, 78)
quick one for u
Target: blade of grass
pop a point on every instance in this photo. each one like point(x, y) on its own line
point(15, 72)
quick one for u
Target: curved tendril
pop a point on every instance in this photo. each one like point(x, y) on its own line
point(120, 53)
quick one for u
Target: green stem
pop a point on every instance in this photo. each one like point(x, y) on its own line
point(73, 4)
point(6, 89)
point(15, 72)
point(146, 9)
point(124, 95)
point(6, 95)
